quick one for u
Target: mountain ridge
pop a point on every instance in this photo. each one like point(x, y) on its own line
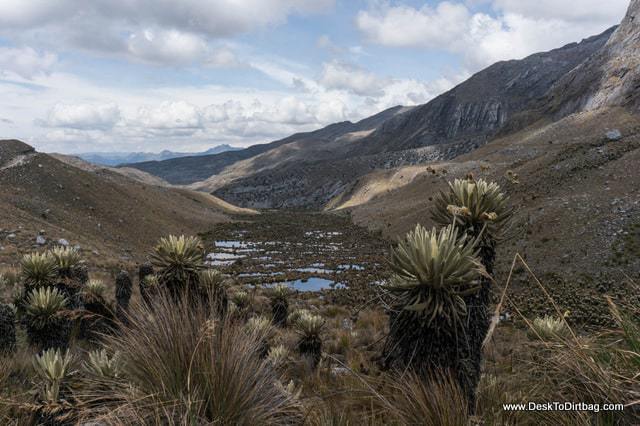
point(188, 170)
point(118, 158)
point(456, 122)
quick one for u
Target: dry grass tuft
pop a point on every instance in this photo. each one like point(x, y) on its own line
point(180, 366)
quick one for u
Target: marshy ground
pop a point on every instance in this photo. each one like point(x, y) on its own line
point(307, 251)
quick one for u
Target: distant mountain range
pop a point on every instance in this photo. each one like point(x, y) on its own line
point(116, 158)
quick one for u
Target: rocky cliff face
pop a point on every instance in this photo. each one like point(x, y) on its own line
point(610, 77)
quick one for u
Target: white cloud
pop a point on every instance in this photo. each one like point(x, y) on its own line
point(168, 115)
point(341, 76)
point(83, 116)
point(26, 13)
point(76, 137)
point(25, 62)
point(520, 28)
point(167, 46)
point(222, 57)
point(610, 11)
point(407, 26)
point(162, 31)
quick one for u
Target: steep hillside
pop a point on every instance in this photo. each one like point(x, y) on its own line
point(184, 171)
point(577, 194)
point(111, 216)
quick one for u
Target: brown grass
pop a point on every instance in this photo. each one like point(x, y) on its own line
point(181, 366)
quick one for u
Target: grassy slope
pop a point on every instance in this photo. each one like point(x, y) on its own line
point(577, 196)
point(103, 211)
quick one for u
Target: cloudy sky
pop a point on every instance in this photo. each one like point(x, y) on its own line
point(147, 75)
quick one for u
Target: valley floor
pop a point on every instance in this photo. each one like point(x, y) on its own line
point(307, 251)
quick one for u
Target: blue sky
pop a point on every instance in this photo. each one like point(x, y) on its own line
point(147, 75)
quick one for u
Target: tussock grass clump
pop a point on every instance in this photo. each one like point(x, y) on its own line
point(411, 400)
point(183, 367)
point(213, 286)
point(38, 270)
point(178, 261)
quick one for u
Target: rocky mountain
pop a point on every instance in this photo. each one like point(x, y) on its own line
point(460, 120)
point(116, 158)
point(475, 110)
point(111, 216)
point(308, 170)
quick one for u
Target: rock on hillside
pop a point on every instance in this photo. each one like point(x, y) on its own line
point(13, 151)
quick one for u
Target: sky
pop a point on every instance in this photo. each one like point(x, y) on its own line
point(186, 75)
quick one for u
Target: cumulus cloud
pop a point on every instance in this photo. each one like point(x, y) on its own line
point(25, 62)
point(382, 92)
point(406, 26)
point(520, 28)
point(168, 115)
point(588, 10)
point(152, 30)
point(167, 46)
point(342, 76)
point(83, 116)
